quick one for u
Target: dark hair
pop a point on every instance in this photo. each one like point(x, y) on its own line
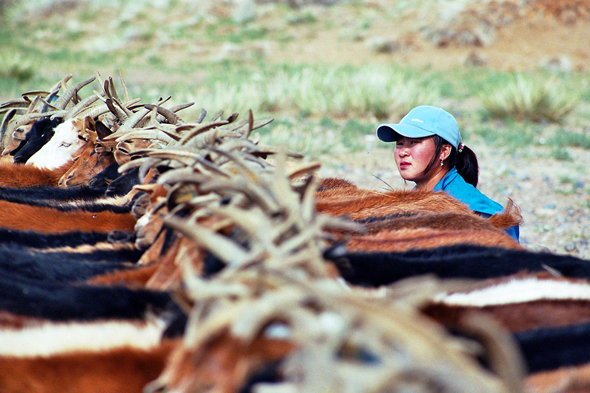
point(465, 161)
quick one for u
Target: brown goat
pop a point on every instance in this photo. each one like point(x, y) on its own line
point(96, 155)
point(424, 238)
point(13, 175)
point(223, 362)
point(50, 220)
point(360, 204)
point(118, 370)
point(574, 379)
point(520, 315)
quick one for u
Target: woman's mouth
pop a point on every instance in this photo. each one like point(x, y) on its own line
point(404, 165)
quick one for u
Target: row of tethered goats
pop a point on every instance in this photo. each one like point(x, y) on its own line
point(144, 253)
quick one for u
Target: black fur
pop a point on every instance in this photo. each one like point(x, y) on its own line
point(41, 132)
point(460, 261)
point(60, 266)
point(102, 180)
point(73, 239)
point(123, 184)
point(34, 194)
point(551, 348)
point(59, 301)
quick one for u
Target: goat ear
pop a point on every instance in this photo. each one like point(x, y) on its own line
point(101, 130)
point(89, 123)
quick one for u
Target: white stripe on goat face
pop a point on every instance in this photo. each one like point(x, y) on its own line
point(61, 147)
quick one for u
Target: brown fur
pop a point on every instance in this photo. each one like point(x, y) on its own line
point(435, 221)
point(574, 379)
point(330, 183)
point(223, 363)
point(86, 166)
point(169, 271)
point(133, 278)
point(360, 204)
point(425, 238)
point(49, 220)
point(14, 175)
point(123, 370)
point(13, 139)
point(507, 218)
point(518, 317)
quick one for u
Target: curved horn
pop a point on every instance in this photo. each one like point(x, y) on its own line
point(65, 98)
point(85, 103)
point(167, 113)
point(202, 116)
point(147, 134)
point(197, 130)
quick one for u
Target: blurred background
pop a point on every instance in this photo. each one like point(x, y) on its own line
point(514, 73)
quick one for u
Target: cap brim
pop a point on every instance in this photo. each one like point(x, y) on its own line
point(392, 132)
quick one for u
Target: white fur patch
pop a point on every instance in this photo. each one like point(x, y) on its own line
point(519, 291)
point(58, 338)
point(61, 147)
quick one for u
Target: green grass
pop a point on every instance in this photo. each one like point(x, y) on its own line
point(563, 138)
point(318, 108)
point(527, 98)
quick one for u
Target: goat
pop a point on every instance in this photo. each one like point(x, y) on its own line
point(59, 266)
point(40, 133)
point(66, 239)
point(459, 261)
point(52, 220)
point(112, 369)
point(95, 156)
point(424, 238)
point(62, 147)
point(361, 204)
point(12, 175)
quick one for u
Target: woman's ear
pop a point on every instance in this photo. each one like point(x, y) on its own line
point(445, 151)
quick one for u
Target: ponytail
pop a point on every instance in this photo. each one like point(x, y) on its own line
point(465, 161)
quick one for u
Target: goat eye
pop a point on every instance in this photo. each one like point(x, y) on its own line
point(66, 144)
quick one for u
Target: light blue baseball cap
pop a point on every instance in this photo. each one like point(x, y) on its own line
point(420, 122)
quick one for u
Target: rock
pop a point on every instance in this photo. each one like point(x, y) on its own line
point(382, 44)
point(556, 64)
point(570, 247)
point(475, 59)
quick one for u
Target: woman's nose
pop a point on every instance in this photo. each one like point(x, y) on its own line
point(403, 152)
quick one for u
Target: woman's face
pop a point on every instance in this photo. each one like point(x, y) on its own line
point(412, 156)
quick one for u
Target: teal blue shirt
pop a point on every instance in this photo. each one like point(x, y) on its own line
point(454, 184)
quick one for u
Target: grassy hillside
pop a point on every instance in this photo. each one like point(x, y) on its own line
point(327, 74)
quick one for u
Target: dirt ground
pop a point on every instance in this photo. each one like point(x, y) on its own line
point(550, 33)
point(556, 209)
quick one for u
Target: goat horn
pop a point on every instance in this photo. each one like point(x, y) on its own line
point(147, 134)
point(85, 103)
point(217, 116)
point(243, 186)
point(4, 126)
point(65, 98)
point(197, 130)
point(202, 116)
point(167, 113)
point(125, 91)
point(222, 247)
point(132, 164)
point(180, 107)
point(119, 114)
point(61, 84)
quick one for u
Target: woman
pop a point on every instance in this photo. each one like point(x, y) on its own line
point(429, 152)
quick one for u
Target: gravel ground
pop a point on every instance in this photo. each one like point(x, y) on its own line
point(554, 195)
